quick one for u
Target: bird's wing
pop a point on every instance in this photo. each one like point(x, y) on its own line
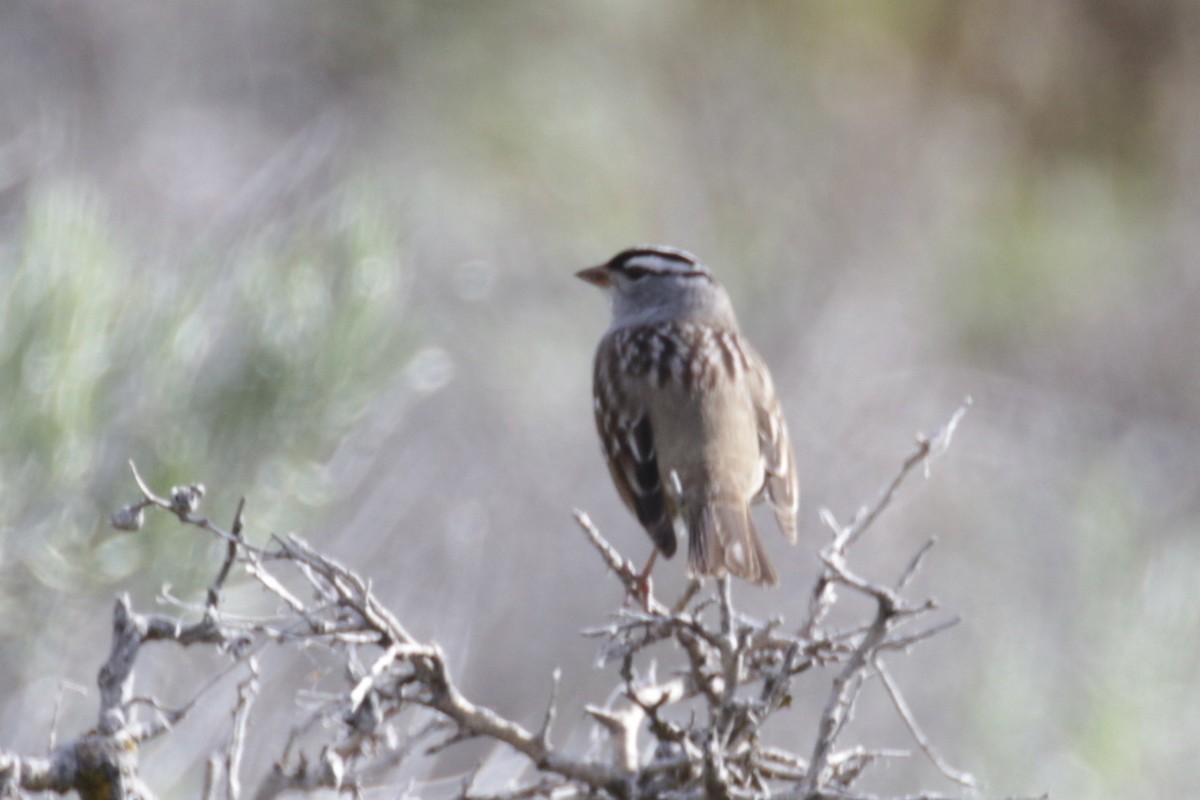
point(628, 440)
point(781, 482)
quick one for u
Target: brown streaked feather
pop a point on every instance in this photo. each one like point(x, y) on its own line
point(780, 482)
point(632, 461)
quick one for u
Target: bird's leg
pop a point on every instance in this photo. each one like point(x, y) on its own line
point(642, 586)
point(725, 594)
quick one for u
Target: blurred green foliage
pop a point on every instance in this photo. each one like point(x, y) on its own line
point(1055, 252)
point(248, 372)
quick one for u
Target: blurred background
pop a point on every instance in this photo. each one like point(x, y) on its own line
point(320, 254)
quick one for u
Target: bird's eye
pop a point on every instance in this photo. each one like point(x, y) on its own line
point(636, 273)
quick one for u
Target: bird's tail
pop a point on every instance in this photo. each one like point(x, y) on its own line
point(722, 539)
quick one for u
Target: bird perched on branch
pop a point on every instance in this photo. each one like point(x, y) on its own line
point(687, 415)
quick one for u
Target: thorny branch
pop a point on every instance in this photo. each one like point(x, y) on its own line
point(692, 733)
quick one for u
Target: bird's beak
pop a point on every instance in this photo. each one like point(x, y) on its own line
point(597, 275)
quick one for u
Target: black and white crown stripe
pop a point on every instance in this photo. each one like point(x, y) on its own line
point(640, 261)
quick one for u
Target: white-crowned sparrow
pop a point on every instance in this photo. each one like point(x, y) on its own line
point(687, 414)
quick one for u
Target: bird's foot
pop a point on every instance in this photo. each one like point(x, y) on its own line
point(642, 588)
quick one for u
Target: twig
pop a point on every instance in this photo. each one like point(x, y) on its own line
point(247, 691)
point(231, 550)
point(963, 779)
point(845, 536)
point(365, 684)
point(928, 447)
point(63, 685)
point(185, 515)
point(905, 642)
point(551, 709)
point(914, 564)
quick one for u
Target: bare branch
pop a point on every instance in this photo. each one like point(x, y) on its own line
point(231, 551)
point(551, 710)
point(696, 732)
point(914, 564)
point(928, 448)
point(247, 691)
point(958, 776)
